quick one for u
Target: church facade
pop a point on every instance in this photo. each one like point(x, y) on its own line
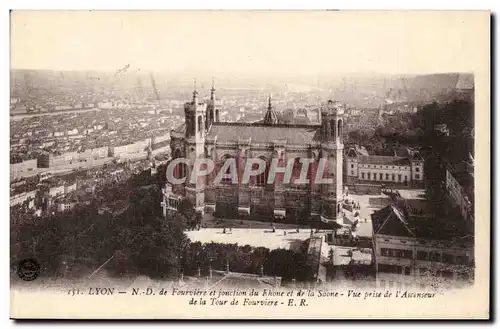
point(204, 136)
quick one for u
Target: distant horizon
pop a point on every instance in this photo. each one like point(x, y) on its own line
point(237, 74)
point(246, 43)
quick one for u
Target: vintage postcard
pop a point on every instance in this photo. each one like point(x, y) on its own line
point(250, 164)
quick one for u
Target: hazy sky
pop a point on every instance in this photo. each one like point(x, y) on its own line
point(251, 42)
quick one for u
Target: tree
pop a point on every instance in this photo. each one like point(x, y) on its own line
point(287, 264)
point(186, 214)
point(331, 255)
point(137, 239)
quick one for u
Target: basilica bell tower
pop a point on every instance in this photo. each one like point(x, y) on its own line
point(332, 151)
point(196, 128)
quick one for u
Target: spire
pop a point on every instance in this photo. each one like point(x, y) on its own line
point(195, 93)
point(212, 94)
point(271, 117)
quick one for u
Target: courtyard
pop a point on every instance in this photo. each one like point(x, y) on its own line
point(369, 204)
point(253, 237)
point(260, 234)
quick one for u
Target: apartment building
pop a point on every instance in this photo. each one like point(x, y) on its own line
point(19, 168)
point(420, 252)
point(460, 188)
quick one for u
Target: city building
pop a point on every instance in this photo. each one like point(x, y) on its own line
point(49, 160)
point(203, 135)
point(460, 188)
point(21, 198)
point(16, 169)
point(65, 204)
point(400, 170)
point(419, 252)
point(301, 116)
point(137, 148)
point(363, 120)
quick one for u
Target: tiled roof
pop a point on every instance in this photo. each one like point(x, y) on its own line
point(417, 156)
point(402, 152)
point(361, 150)
point(293, 134)
point(384, 160)
point(357, 150)
point(390, 221)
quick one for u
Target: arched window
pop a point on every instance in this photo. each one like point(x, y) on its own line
point(297, 167)
point(261, 179)
point(226, 177)
point(302, 112)
point(210, 118)
point(332, 128)
point(339, 128)
point(200, 128)
point(180, 168)
point(217, 115)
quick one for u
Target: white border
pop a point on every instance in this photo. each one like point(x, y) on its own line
point(190, 4)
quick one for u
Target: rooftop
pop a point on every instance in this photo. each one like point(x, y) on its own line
point(384, 160)
point(260, 133)
point(392, 220)
point(245, 280)
point(357, 151)
point(418, 194)
point(225, 279)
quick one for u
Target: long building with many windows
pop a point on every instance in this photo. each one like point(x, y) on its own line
point(399, 170)
point(460, 188)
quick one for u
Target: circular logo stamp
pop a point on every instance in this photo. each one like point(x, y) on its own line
point(28, 269)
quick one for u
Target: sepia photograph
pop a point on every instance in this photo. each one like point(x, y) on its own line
point(249, 164)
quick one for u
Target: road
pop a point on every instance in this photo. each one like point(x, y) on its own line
point(16, 117)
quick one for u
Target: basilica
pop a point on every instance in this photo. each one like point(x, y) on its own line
point(204, 136)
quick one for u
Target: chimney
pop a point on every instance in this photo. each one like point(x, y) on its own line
point(294, 282)
point(210, 271)
point(227, 266)
point(199, 271)
point(261, 270)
